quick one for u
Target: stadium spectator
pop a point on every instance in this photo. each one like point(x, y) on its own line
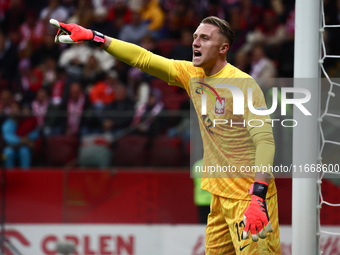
point(123, 106)
point(285, 57)
point(4, 5)
point(135, 5)
point(120, 11)
point(14, 16)
point(100, 21)
point(214, 9)
point(30, 80)
point(153, 14)
point(54, 10)
point(100, 95)
point(183, 50)
point(138, 88)
point(262, 68)
point(77, 103)
point(180, 16)
point(54, 109)
point(282, 9)
point(19, 133)
point(241, 32)
point(49, 71)
point(261, 65)
point(242, 61)
point(67, 117)
point(150, 43)
point(40, 106)
point(182, 127)
point(91, 72)
point(103, 92)
point(146, 120)
point(83, 14)
point(6, 100)
point(250, 15)
point(270, 32)
point(32, 32)
point(9, 58)
point(47, 49)
point(57, 90)
point(74, 58)
point(28, 123)
point(134, 31)
point(290, 24)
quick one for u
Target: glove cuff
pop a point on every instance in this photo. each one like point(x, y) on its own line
point(259, 189)
point(98, 39)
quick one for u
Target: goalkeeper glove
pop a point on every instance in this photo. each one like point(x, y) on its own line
point(256, 215)
point(73, 33)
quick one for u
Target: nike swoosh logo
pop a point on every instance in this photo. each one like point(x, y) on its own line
point(241, 248)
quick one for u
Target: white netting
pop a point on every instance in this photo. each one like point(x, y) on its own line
point(327, 114)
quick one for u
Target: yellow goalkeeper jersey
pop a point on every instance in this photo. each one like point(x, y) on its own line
point(226, 139)
point(229, 144)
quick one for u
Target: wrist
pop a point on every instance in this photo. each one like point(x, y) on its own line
point(259, 188)
point(98, 39)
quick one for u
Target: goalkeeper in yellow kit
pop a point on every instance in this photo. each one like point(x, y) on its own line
point(240, 206)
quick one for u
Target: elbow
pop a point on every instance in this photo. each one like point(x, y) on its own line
point(264, 138)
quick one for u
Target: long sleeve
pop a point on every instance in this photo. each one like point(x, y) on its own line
point(139, 57)
point(265, 145)
point(33, 135)
point(8, 131)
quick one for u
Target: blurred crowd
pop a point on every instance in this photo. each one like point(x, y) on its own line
point(79, 91)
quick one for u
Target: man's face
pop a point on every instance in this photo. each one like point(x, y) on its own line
point(15, 110)
point(75, 91)
point(206, 45)
point(41, 95)
point(258, 54)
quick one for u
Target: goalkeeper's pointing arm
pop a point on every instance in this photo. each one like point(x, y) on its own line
point(131, 54)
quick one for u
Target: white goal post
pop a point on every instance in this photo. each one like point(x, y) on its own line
point(306, 136)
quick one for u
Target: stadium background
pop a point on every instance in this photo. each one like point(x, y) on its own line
point(86, 106)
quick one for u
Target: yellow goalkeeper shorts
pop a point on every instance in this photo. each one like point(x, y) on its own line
point(225, 226)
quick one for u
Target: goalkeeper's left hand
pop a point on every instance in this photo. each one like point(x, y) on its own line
point(73, 33)
point(256, 215)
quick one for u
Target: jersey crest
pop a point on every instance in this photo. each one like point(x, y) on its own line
point(220, 108)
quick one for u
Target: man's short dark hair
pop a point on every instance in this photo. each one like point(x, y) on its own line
point(224, 26)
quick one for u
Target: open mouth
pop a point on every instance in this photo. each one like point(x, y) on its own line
point(197, 54)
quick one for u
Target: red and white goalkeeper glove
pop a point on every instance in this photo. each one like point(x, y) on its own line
point(256, 215)
point(73, 33)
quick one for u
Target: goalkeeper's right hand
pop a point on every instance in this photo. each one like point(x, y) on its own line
point(73, 33)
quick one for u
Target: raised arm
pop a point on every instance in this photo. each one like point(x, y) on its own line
point(131, 54)
point(139, 57)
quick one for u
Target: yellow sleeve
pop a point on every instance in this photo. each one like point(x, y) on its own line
point(146, 61)
point(265, 146)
